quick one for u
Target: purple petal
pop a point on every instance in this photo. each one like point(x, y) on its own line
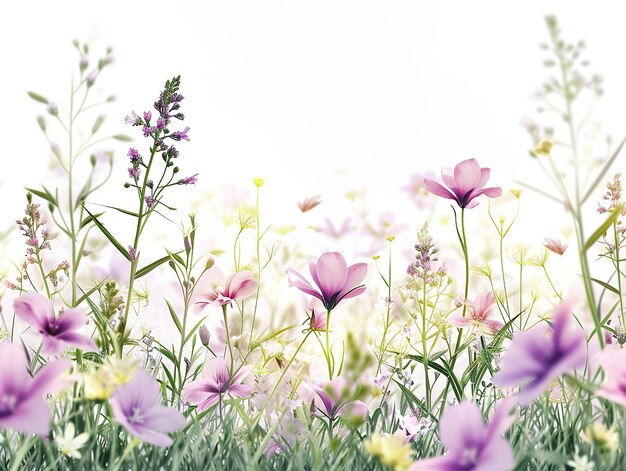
point(356, 275)
point(441, 463)
point(208, 402)
point(45, 381)
point(71, 319)
point(328, 402)
point(164, 419)
point(484, 177)
point(461, 425)
point(216, 371)
point(240, 390)
point(332, 273)
point(31, 416)
point(353, 293)
point(78, 340)
point(198, 391)
point(496, 456)
point(14, 368)
point(241, 374)
point(34, 309)
point(51, 345)
point(447, 175)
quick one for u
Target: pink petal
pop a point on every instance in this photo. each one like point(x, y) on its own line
point(34, 309)
point(460, 425)
point(77, 340)
point(356, 275)
point(216, 371)
point(71, 319)
point(240, 390)
point(332, 272)
point(164, 419)
point(441, 463)
point(211, 400)
point(484, 177)
point(297, 280)
point(466, 176)
point(32, 416)
point(45, 381)
point(353, 293)
point(438, 190)
point(447, 175)
point(458, 320)
point(240, 285)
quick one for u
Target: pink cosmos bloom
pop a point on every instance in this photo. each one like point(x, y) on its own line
point(465, 183)
point(22, 407)
point(217, 380)
point(238, 285)
point(333, 278)
point(541, 354)
point(137, 406)
point(614, 387)
point(555, 246)
point(479, 313)
point(308, 203)
point(472, 445)
point(56, 332)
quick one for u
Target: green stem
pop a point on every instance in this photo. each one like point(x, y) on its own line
point(329, 356)
point(228, 341)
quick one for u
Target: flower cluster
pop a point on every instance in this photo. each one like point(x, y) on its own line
point(422, 268)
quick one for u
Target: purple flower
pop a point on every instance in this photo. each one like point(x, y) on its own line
point(466, 182)
point(131, 252)
point(217, 381)
point(149, 201)
point(146, 130)
point(57, 332)
point(147, 116)
point(133, 121)
point(160, 124)
point(22, 407)
point(472, 445)
point(541, 354)
point(177, 136)
point(189, 180)
point(134, 155)
point(334, 279)
point(137, 406)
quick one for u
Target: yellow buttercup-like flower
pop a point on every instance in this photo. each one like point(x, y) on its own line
point(391, 450)
point(606, 440)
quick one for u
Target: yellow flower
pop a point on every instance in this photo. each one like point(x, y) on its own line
point(98, 385)
point(604, 439)
point(258, 182)
point(120, 371)
point(390, 450)
point(544, 147)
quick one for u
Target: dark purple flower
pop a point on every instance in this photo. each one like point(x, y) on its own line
point(177, 136)
point(137, 406)
point(466, 183)
point(541, 354)
point(217, 380)
point(131, 252)
point(334, 279)
point(57, 332)
point(149, 201)
point(134, 154)
point(472, 445)
point(160, 124)
point(147, 116)
point(146, 131)
point(22, 406)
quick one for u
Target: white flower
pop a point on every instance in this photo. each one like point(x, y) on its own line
point(580, 463)
point(69, 444)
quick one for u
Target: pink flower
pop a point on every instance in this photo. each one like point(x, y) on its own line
point(334, 279)
point(238, 285)
point(415, 189)
point(466, 182)
point(479, 313)
point(555, 246)
point(541, 354)
point(22, 407)
point(217, 381)
point(614, 387)
point(137, 406)
point(308, 203)
point(472, 445)
point(56, 332)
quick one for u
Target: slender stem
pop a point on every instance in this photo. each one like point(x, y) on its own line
point(618, 271)
point(329, 357)
point(228, 340)
point(386, 328)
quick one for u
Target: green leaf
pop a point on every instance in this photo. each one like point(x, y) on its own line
point(122, 138)
point(604, 227)
point(192, 331)
point(606, 286)
point(46, 195)
point(88, 219)
point(108, 235)
point(38, 97)
point(148, 268)
point(121, 210)
point(174, 317)
point(97, 124)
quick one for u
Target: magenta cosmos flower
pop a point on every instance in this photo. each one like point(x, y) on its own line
point(22, 406)
point(239, 285)
point(334, 279)
point(137, 406)
point(56, 332)
point(217, 381)
point(541, 354)
point(479, 315)
point(465, 183)
point(472, 445)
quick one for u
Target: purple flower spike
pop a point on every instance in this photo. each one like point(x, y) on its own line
point(465, 183)
point(137, 406)
point(217, 381)
point(57, 332)
point(334, 279)
point(541, 354)
point(472, 445)
point(22, 407)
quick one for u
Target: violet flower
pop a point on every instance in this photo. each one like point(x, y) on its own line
point(216, 381)
point(239, 285)
point(465, 183)
point(541, 354)
point(472, 445)
point(479, 315)
point(337, 399)
point(22, 407)
point(57, 332)
point(137, 406)
point(334, 279)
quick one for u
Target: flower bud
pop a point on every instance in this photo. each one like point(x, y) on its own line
point(205, 335)
point(258, 182)
point(210, 262)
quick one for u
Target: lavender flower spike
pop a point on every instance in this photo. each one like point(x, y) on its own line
point(22, 407)
point(465, 183)
point(57, 332)
point(472, 445)
point(137, 406)
point(541, 354)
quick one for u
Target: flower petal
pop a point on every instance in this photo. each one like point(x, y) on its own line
point(34, 309)
point(437, 189)
point(332, 273)
point(467, 176)
point(297, 280)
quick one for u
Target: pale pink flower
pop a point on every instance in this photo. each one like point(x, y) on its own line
point(478, 315)
point(239, 285)
point(216, 381)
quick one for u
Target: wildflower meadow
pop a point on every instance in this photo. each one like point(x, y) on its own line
point(456, 341)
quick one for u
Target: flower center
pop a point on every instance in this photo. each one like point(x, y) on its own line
point(137, 417)
point(469, 457)
point(8, 403)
